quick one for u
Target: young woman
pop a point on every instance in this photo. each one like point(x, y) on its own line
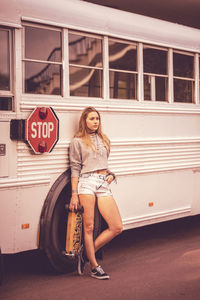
point(91, 179)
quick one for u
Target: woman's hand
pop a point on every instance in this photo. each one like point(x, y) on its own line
point(74, 202)
point(109, 178)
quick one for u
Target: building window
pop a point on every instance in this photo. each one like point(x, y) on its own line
point(6, 96)
point(122, 70)
point(85, 65)
point(155, 74)
point(183, 65)
point(42, 60)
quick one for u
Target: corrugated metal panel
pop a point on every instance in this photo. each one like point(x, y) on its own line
point(30, 164)
point(154, 156)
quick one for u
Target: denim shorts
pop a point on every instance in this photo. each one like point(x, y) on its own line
point(94, 184)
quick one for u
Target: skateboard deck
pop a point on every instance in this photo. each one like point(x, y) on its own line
point(74, 231)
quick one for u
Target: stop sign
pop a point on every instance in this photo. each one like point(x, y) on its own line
point(42, 129)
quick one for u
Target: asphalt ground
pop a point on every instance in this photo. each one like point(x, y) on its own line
point(160, 261)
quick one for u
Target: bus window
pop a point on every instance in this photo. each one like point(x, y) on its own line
point(42, 61)
point(6, 98)
point(183, 65)
point(122, 70)
point(85, 65)
point(155, 74)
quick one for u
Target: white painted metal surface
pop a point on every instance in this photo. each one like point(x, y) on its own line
point(94, 18)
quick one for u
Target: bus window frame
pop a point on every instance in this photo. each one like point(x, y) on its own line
point(134, 73)
point(154, 75)
point(105, 69)
point(190, 79)
point(9, 93)
point(102, 68)
point(24, 59)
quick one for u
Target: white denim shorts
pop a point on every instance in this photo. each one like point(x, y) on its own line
point(94, 184)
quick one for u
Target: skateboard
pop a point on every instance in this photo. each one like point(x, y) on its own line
point(74, 231)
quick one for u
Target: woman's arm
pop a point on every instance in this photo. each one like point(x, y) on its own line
point(75, 164)
point(74, 198)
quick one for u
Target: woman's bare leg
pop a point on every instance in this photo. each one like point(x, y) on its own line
point(109, 211)
point(88, 202)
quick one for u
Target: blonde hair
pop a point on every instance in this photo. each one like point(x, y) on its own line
point(83, 130)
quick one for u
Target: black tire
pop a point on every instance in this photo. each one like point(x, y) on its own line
point(1, 267)
point(57, 235)
point(54, 224)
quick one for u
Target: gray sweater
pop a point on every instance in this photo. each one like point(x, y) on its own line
point(83, 159)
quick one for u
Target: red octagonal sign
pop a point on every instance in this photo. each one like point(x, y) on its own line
point(42, 129)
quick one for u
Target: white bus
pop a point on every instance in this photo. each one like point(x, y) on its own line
point(141, 73)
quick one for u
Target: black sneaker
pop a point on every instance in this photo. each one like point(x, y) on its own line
point(99, 273)
point(81, 261)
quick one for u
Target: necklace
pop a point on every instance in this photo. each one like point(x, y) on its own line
point(97, 143)
point(92, 132)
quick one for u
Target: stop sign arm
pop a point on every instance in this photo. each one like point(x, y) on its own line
point(42, 129)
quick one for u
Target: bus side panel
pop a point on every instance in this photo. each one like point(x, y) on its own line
point(156, 158)
point(8, 202)
point(20, 216)
point(154, 197)
point(30, 203)
point(8, 195)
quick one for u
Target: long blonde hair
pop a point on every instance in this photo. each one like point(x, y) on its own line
point(83, 130)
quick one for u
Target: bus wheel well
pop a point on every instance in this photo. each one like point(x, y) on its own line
point(53, 223)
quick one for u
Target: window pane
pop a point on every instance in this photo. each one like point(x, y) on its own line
point(4, 61)
point(183, 65)
point(155, 61)
point(155, 88)
point(122, 56)
point(42, 44)
point(85, 82)
point(183, 90)
point(161, 89)
point(147, 87)
point(42, 78)
point(85, 51)
point(5, 103)
point(123, 85)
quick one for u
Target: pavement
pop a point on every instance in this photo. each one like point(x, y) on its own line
point(157, 262)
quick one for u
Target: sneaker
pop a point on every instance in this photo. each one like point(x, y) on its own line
point(99, 273)
point(81, 261)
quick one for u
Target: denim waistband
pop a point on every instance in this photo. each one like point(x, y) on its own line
point(87, 175)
